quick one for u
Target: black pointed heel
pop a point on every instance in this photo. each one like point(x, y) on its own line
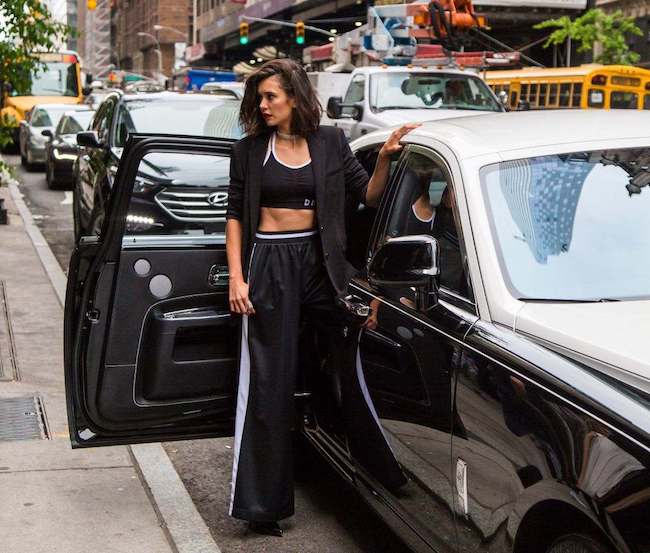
point(265, 528)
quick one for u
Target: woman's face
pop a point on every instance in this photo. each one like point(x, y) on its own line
point(276, 105)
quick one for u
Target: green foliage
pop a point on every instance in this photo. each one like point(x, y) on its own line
point(596, 26)
point(27, 27)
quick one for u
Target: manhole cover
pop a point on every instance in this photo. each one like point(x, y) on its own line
point(22, 418)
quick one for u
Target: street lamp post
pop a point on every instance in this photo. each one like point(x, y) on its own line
point(158, 51)
point(166, 28)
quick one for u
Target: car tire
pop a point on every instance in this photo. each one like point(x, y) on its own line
point(577, 543)
point(50, 176)
point(29, 164)
point(78, 230)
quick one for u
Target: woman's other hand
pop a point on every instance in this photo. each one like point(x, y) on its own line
point(393, 145)
point(238, 298)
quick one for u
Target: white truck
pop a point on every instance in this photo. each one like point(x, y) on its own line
point(384, 96)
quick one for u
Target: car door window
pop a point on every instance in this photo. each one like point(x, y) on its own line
point(41, 119)
point(360, 218)
point(179, 194)
point(354, 94)
point(425, 203)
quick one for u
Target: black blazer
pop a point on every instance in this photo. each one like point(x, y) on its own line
point(338, 178)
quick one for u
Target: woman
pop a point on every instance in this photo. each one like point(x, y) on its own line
point(285, 236)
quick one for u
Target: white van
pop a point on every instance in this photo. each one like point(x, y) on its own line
point(383, 96)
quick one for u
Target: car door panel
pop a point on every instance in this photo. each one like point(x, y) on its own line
point(151, 347)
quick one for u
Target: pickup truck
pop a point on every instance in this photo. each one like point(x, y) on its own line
point(383, 96)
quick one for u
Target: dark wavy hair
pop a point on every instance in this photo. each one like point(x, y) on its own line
point(295, 82)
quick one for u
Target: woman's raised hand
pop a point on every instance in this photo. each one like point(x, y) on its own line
point(238, 298)
point(393, 145)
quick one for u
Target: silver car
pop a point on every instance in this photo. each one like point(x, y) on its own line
point(32, 141)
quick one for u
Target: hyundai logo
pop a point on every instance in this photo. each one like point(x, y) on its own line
point(218, 199)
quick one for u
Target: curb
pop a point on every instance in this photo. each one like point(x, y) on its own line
point(186, 530)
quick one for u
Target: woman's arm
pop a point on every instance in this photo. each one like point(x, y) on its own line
point(379, 178)
point(238, 289)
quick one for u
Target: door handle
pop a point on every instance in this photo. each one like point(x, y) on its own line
point(355, 306)
point(218, 276)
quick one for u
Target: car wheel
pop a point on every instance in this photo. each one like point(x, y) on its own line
point(76, 222)
point(49, 175)
point(29, 164)
point(23, 160)
point(577, 543)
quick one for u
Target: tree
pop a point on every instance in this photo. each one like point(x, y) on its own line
point(26, 27)
point(596, 26)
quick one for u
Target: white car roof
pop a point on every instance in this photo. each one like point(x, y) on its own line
point(372, 69)
point(505, 132)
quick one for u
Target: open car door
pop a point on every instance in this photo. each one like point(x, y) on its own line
point(150, 346)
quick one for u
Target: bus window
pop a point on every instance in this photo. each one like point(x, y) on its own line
point(524, 91)
point(565, 94)
point(532, 95)
point(600, 80)
point(646, 101)
point(626, 81)
point(552, 95)
point(543, 89)
point(577, 95)
point(623, 100)
point(514, 102)
point(596, 98)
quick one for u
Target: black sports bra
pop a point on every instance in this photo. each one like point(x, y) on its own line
point(283, 185)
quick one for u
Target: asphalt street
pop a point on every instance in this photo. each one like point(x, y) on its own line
point(329, 516)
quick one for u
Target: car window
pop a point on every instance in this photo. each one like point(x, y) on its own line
point(60, 129)
point(78, 122)
point(212, 117)
point(573, 227)
point(360, 218)
point(425, 203)
point(355, 93)
point(179, 194)
point(104, 128)
point(41, 119)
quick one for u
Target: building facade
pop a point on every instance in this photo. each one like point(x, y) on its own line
point(146, 34)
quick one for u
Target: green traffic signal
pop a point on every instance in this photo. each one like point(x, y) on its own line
point(243, 40)
point(300, 39)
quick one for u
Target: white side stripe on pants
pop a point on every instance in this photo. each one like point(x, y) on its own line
point(242, 403)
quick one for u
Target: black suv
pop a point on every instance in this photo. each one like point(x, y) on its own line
point(121, 114)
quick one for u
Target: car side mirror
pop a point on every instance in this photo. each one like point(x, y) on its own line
point(334, 107)
point(47, 132)
point(357, 114)
point(86, 90)
point(89, 139)
point(408, 261)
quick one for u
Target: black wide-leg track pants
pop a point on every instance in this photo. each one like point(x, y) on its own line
point(286, 278)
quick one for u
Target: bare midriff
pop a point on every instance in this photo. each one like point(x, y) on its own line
point(282, 219)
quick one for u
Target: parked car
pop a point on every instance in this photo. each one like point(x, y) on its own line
point(378, 97)
point(31, 140)
point(235, 90)
point(61, 149)
point(122, 114)
point(508, 358)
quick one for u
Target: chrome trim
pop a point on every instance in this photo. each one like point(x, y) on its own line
point(215, 211)
point(134, 242)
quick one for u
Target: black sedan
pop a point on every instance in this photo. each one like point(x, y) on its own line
point(61, 150)
point(122, 114)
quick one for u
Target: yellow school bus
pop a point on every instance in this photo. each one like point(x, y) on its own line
point(584, 86)
point(58, 82)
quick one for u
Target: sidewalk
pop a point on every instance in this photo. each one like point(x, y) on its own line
point(54, 499)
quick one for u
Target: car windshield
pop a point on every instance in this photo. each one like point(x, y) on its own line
point(573, 227)
point(430, 91)
point(47, 117)
point(55, 79)
point(212, 118)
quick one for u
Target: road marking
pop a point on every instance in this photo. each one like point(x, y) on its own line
point(67, 199)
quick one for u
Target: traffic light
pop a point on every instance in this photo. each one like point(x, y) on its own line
point(300, 32)
point(243, 32)
point(91, 4)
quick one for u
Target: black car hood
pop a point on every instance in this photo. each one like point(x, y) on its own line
point(182, 169)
